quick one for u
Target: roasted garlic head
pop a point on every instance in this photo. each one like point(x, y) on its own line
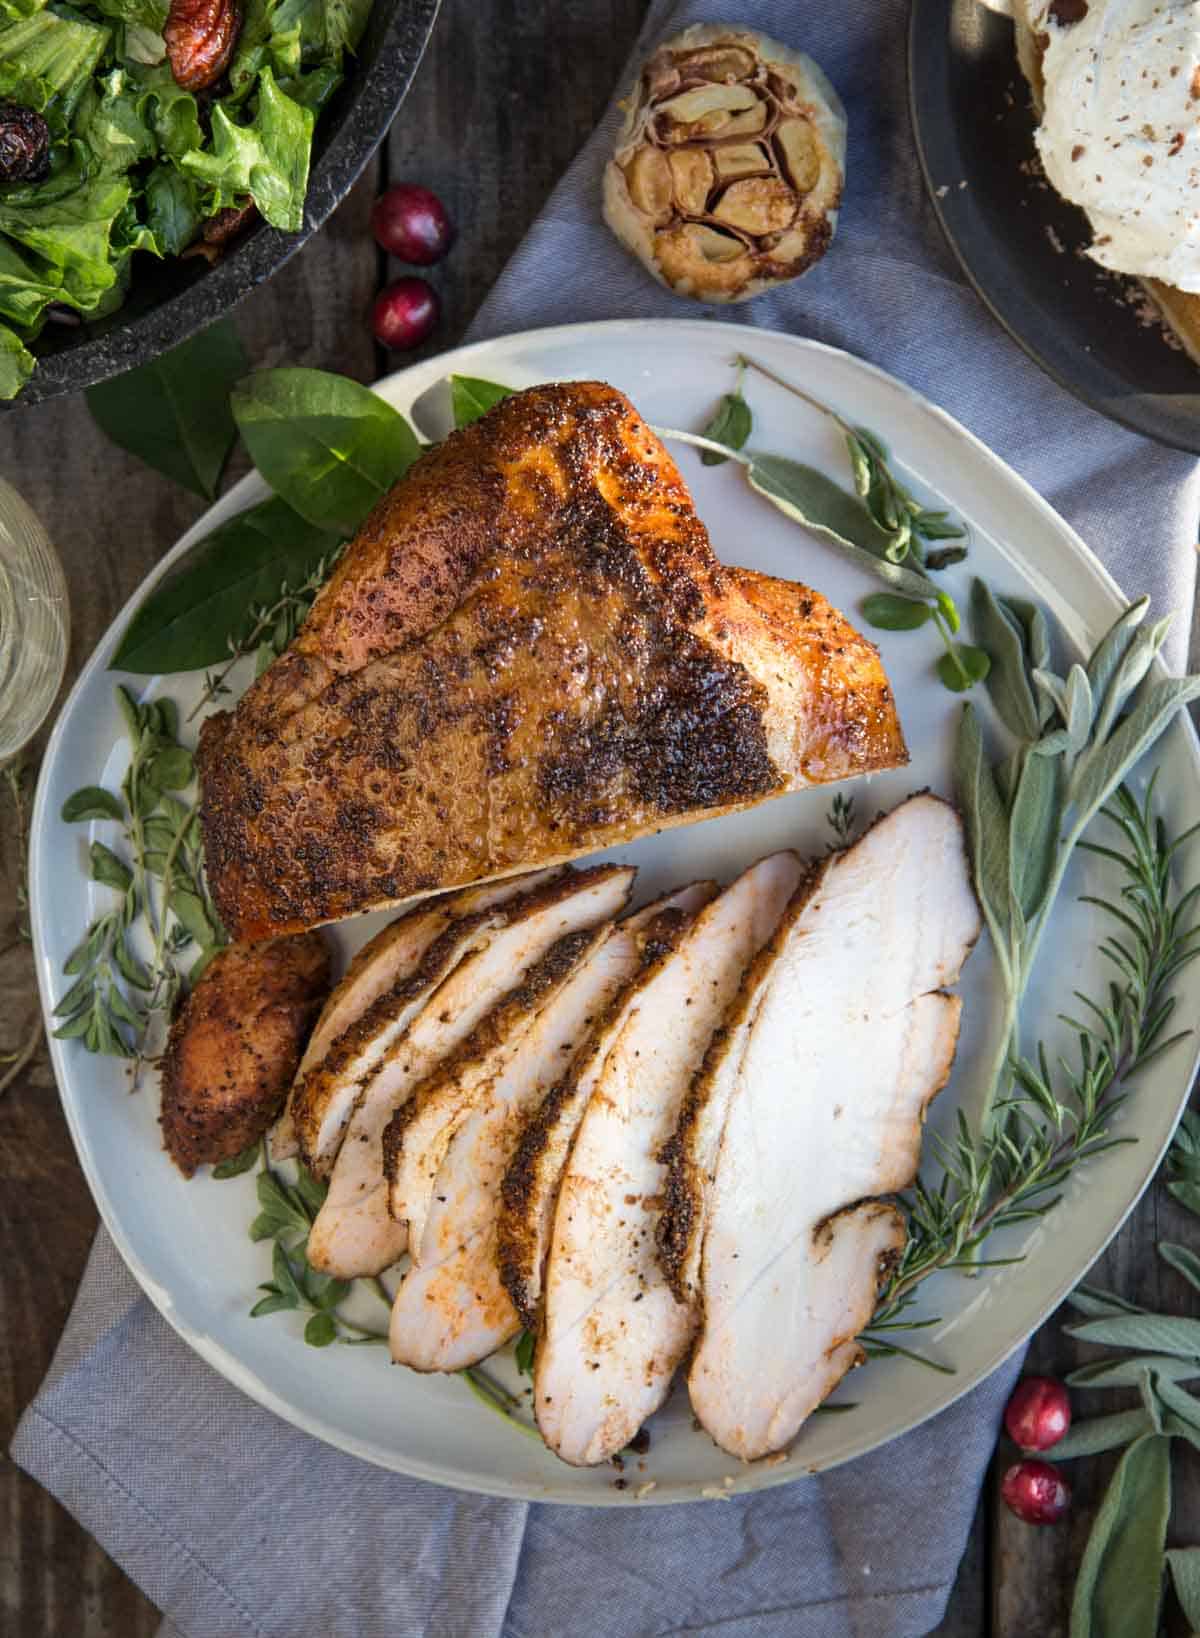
point(728, 170)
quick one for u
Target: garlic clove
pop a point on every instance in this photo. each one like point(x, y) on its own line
point(649, 180)
point(692, 178)
point(740, 159)
point(703, 101)
point(700, 260)
point(797, 144)
point(746, 122)
point(722, 64)
point(758, 204)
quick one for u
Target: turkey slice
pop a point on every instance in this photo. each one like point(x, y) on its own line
point(529, 1191)
point(851, 1039)
point(416, 1138)
point(452, 1309)
point(613, 1331)
point(354, 1233)
point(384, 962)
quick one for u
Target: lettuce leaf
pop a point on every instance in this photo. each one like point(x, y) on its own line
point(111, 123)
point(151, 14)
point(47, 62)
point(172, 114)
point(172, 213)
point(16, 363)
point(267, 158)
point(72, 235)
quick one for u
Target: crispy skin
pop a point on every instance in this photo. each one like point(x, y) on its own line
point(234, 1046)
point(529, 653)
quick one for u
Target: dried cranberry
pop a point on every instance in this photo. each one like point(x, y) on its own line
point(24, 144)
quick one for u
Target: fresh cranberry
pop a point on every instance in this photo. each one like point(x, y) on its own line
point(404, 314)
point(1035, 1491)
point(1038, 1414)
point(411, 224)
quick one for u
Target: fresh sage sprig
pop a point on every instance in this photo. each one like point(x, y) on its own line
point(1053, 1119)
point(1076, 739)
point(1120, 1583)
point(126, 968)
point(731, 424)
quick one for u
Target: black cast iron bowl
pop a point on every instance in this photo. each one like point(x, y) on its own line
point(169, 301)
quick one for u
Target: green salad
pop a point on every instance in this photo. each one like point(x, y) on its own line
point(103, 152)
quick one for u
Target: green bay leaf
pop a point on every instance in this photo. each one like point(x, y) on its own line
point(471, 398)
point(174, 413)
point(188, 618)
point(328, 446)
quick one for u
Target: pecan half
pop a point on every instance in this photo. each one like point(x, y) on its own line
point(217, 231)
point(200, 36)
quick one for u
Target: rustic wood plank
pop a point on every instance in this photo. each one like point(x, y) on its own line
point(967, 1611)
point(111, 519)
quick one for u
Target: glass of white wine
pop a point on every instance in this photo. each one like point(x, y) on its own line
point(34, 623)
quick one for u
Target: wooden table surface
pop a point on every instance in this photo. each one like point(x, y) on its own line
point(505, 96)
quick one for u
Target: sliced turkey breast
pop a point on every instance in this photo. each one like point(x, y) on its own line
point(384, 962)
point(354, 1233)
point(613, 1332)
point(529, 1191)
point(850, 1040)
point(452, 1309)
point(416, 1138)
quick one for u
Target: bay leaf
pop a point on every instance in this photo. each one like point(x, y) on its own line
point(1100, 1433)
point(1119, 1588)
point(1148, 1333)
point(1184, 1564)
point(1000, 634)
point(173, 413)
point(471, 398)
point(189, 617)
point(327, 445)
point(810, 498)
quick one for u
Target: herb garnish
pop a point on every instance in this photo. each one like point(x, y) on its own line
point(1052, 1119)
point(125, 968)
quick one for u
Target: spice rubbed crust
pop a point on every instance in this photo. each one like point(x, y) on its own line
point(529, 653)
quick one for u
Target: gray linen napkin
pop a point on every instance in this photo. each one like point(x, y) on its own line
point(235, 1523)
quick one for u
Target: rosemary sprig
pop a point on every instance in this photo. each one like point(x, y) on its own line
point(127, 968)
point(272, 628)
point(1054, 1119)
point(840, 820)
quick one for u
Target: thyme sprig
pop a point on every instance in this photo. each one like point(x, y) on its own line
point(272, 628)
point(1056, 1117)
point(128, 966)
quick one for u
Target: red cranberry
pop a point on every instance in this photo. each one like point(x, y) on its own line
point(1035, 1491)
point(1038, 1414)
point(404, 314)
point(411, 224)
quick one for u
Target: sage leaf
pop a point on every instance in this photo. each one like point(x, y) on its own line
point(1178, 1401)
point(171, 770)
point(987, 828)
point(279, 1212)
point(1033, 827)
point(1100, 770)
point(92, 802)
point(810, 498)
point(1078, 707)
point(471, 398)
point(192, 915)
point(1138, 659)
point(1053, 690)
point(1100, 1433)
point(887, 612)
point(1151, 1402)
point(189, 619)
point(1119, 1588)
point(107, 868)
point(1112, 648)
point(321, 1330)
point(1149, 1333)
point(327, 446)
point(1035, 627)
point(998, 632)
point(281, 1269)
point(1187, 1194)
point(324, 1290)
point(236, 1164)
point(311, 1190)
point(129, 967)
point(1183, 1260)
point(731, 425)
point(1184, 1563)
point(275, 1302)
point(1126, 1372)
point(173, 413)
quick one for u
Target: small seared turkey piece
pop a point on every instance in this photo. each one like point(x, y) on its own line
point(452, 1309)
point(234, 1046)
point(851, 1038)
point(354, 1233)
point(529, 1192)
point(613, 1331)
point(370, 984)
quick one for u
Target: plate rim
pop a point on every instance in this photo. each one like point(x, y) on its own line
point(1170, 433)
point(217, 1355)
